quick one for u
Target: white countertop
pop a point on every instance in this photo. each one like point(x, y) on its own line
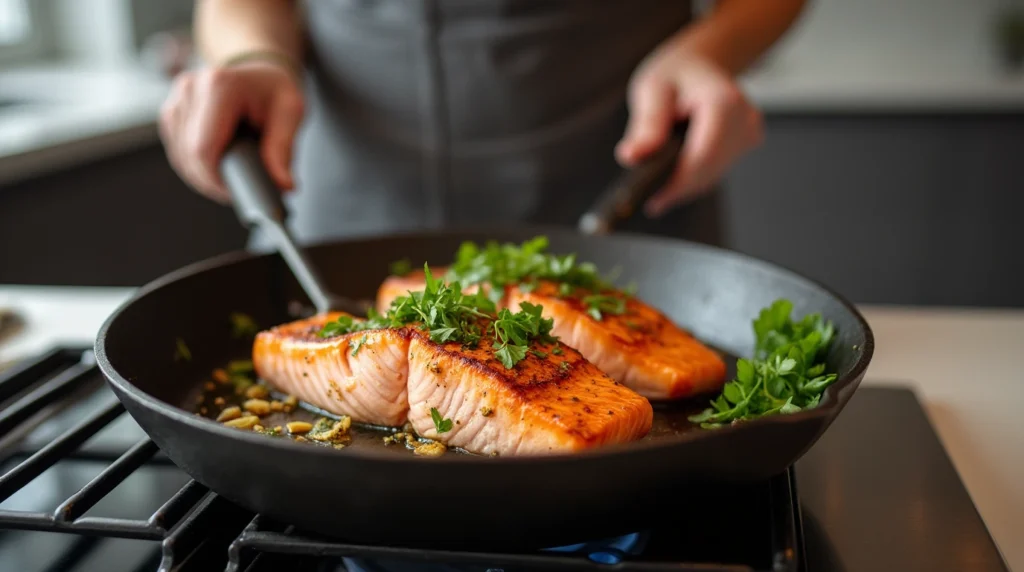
point(963, 364)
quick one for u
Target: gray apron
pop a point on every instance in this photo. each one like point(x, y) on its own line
point(430, 113)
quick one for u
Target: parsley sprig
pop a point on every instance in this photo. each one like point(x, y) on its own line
point(507, 264)
point(513, 333)
point(451, 315)
point(786, 375)
point(441, 424)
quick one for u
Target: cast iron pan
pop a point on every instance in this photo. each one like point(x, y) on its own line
point(370, 493)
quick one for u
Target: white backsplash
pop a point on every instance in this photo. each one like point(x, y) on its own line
point(919, 36)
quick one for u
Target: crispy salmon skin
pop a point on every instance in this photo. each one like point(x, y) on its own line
point(390, 375)
point(640, 348)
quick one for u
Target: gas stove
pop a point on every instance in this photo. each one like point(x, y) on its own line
point(83, 488)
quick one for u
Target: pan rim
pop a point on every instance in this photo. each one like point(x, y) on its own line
point(620, 450)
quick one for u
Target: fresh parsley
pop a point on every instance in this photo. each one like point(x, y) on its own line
point(501, 265)
point(181, 351)
point(514, 332)
point(786, 374)
point(442, 425)
point(358, 345)
point(401, 267)
point(451, 315)
point(242, 325)
point(600, 304)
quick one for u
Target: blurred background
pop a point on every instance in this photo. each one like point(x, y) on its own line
point(892, 169)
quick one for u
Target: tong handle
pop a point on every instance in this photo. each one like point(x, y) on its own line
point(257, 202)
point(634, 186)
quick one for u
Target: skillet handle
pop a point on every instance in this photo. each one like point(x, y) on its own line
point(634, 186)
point(257, 202)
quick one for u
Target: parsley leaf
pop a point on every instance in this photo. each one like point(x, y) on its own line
point(442, 425)
point(600, 304)
point(242, 325)
point(451, 315)
point(501, 265)
point(787, 373)
point(358, 345)
point(181, 351)
point(401, 267)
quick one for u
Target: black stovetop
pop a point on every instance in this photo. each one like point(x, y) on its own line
point(84, 489)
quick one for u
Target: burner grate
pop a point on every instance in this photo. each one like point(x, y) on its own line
point(196, 528)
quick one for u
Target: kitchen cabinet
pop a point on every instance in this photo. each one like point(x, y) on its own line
point(121, 221)
point(904, 209)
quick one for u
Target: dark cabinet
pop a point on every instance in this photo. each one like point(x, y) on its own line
point(889, 209)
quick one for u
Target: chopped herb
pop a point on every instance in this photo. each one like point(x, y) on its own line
point(600, 304)
point(540, 354)
point(513, 332)
point(241, 383)
point(786, 375)
point(564, 366)
point(243, 326)
point(565, 289)
point(240, 367)
point(450, 315)
point(181, 351)
point(632, 325)
point(508, 264)
point(442, 425)
point(557, 351)
point(401, 267)
point(486, 411)
point(358, 345)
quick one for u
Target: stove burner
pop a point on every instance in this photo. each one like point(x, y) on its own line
point(608, 551)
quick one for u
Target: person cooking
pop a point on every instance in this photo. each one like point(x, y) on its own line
point(393, 115)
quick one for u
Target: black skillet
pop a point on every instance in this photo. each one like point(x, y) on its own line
point(372, 494)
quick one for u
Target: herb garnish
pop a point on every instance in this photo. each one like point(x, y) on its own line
point(243, 326)
point(600, 304)
point(450, 315)
point(181, 351)
point(358, 345)
point(442, 425)
point(241, 366)
point(513, 332)
point(501, 265)
point(786, 375)
point(401, 267)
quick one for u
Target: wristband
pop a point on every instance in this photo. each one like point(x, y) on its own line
point(269, 56)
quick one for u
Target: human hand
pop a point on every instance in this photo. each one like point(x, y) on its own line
point(674, 84)
point(202, 112)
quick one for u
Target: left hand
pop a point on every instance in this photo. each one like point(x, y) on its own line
point(674, 84)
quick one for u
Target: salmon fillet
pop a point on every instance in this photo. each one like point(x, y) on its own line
point(369, 387)
point(640, 348)
point(538, 407)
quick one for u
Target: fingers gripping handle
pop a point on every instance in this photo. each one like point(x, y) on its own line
point(634, 186)
point(257, 202)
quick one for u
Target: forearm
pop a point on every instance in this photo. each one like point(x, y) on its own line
point(227, 28)
point(736, 32)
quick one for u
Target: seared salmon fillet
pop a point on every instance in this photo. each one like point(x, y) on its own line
point(369, 386)
point(537, 407)
point(640, 348)
point(547, 404)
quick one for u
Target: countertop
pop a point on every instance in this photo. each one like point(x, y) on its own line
point(963, 364)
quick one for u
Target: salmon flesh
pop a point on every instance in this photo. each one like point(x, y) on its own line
point(553, 401)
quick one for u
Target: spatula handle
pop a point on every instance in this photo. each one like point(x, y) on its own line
point(634, 186)
point(257, 202)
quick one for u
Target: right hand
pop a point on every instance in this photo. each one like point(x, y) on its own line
point(202, 112)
